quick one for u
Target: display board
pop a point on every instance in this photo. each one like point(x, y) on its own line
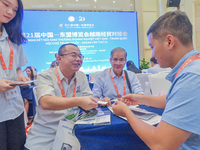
point(95, 33)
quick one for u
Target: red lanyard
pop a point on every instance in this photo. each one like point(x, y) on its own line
point(188, 61)
point(61, 86)
point(115, 84)
point(11, 58)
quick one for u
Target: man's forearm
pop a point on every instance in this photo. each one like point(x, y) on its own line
point(154, 101)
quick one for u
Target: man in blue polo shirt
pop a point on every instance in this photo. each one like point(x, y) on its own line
point(170, 38)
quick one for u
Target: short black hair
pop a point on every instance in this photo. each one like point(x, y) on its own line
point(61, 49)
point(175, 23)
point(154, 60)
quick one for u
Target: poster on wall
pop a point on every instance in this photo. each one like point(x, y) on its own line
point(95, 33)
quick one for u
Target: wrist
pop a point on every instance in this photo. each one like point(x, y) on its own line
point(127, 112)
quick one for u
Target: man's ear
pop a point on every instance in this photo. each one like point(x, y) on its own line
point(170, 39)
point(110, 60)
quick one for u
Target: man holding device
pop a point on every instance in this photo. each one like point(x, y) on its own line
point(61, 91)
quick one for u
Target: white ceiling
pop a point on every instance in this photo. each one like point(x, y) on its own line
point(92, 5)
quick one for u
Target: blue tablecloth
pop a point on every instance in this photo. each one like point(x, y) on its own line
point(27, 92)
point(118, 135)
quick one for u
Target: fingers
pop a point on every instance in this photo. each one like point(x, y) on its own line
point(5, 85)
point(106, 99)
point(116, 108)
point(94, 99)
point(26, 78)
point(115, 103)
point(129, 96)
point(94, 103)
point(109, 103)
point(21, 77)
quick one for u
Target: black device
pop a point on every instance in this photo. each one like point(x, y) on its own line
point(90, 112)
point(173, 3)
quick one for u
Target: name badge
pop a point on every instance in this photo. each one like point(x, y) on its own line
point(12, 93)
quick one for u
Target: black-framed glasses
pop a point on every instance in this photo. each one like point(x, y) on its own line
point(74, 55)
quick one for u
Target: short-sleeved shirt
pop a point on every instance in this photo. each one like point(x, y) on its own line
point(183, 101)
point(10, 109)
point(43, 130)
point(103, 85)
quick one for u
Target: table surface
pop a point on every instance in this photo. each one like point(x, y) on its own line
point(118, 135)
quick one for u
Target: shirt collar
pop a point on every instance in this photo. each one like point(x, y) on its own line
point(114, 75)
point(172, 74)
point(4, 34)
point(62, 77)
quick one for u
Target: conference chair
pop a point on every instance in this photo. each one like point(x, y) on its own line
point(92, 76)
point(144, 81)
point(158, 84)
point(35, 95)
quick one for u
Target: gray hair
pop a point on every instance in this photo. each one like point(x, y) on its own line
point(175, 23)
point(118, 49)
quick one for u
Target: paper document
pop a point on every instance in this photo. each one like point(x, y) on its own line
point(144, 115)
point(22, 82)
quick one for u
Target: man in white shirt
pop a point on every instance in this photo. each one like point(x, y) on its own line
point(59, 90)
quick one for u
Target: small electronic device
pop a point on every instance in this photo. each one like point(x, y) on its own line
point(90, 112)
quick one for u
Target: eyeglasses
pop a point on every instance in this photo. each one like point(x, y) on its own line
point(120, 60)
point(74, 55)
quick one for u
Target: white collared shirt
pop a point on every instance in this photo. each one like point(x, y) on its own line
point(12, 108)
point(43, 130)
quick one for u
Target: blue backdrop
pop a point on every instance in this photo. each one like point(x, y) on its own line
point(96, 34)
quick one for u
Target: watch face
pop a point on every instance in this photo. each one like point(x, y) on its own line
point(66, 146)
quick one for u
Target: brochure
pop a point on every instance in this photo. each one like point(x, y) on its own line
point(144, 115)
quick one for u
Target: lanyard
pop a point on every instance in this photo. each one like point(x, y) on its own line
point(61, 86)
point(11, 58)
point(188, 61)
point(115, 84)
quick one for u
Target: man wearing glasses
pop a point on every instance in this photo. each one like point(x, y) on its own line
point(112, 82)
point(59, 90)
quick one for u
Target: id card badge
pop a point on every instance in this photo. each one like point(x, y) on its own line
point(73, 114)
point(13, 93)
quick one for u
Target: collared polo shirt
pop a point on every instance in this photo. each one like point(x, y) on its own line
point(183, 101)
point(11, 109)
